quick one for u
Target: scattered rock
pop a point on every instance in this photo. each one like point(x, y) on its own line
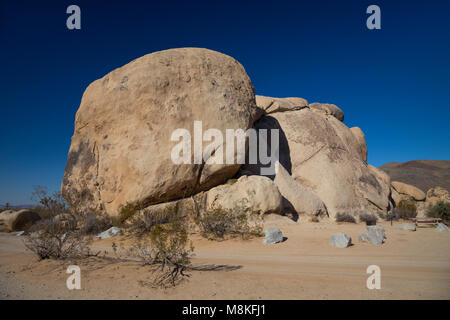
point(340, 240)
point(442, 228)
point(406, 226)
point(273, 235)
point(374, 235)
point(304, 201)
point(409, 190)
point(111, 232)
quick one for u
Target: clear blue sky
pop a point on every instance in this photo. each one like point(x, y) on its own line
point(393, 83)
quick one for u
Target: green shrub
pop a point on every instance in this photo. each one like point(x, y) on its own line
point(168, 250)
point(345, 217)
point(216, 224)
point(406, 209)
point(126, 212)
point(439, 210)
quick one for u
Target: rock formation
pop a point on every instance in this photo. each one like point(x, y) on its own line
point(324, 155)
point(121, 147)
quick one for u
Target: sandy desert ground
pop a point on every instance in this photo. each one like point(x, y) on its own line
point(414, 265)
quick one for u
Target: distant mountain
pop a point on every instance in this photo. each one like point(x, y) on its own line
point(17, 207)
point(424, 174)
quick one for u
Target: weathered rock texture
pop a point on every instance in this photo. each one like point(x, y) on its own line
point(271, 105)
point(374, 235)
point(409, 190)
point(327, 109)
point(340, 240)
point(303, 201)
point(254, 194)
point(272, 235)
point(121, 147)
point(324, 155)
point(359, 135)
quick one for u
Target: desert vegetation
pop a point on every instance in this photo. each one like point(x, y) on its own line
point(345, 217)
point(54, 240)
point(167, 250)
point(406, 209)
point(369, 219)
point(220, 224)
point(439, 210)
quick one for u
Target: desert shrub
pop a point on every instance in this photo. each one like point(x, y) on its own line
point(314, 219)
point(216, 224)
point(345, 217)
point(439, 210)
point(144, 221)
point(369, 219)
point(53, 240)
point(94, 223)
point(49, 205)
point(167, 249)
point(126, 212)
point(406, 209)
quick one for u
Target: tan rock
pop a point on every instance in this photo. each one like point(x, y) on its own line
point(433, 196)
point(323, 155)
point(304, 201)
point(271, 105)
point(361, 138)
point(384, 181)
point(254, 194)
point(327, 109)
point(121, 147)
point(437, 194)
point(408, 189)
point(18, 220)
point(397, 197)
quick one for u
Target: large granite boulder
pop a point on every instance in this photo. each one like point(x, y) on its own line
point(252, 194)
point(409, 190)
point(122, 145)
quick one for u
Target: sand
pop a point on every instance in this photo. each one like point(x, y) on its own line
point(414, 265)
